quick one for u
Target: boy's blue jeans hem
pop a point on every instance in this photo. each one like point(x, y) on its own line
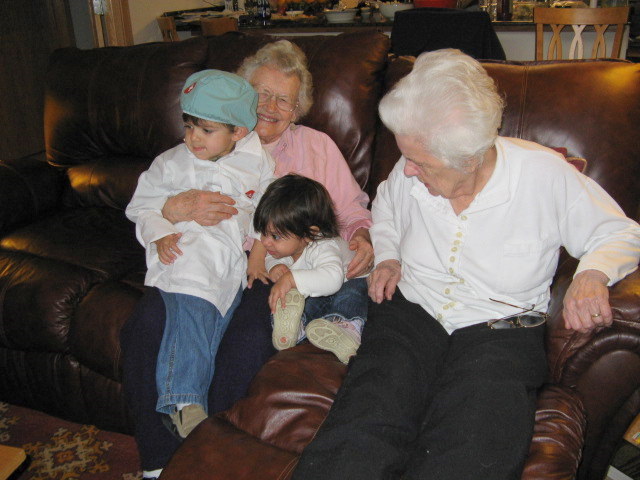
point(186, 360)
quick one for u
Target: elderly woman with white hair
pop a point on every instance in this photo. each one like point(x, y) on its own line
point(467, 232)
point(279, 74)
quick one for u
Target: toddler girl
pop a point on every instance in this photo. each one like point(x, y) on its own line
point(307, 259)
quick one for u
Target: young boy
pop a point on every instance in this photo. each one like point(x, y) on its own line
point(200, 271)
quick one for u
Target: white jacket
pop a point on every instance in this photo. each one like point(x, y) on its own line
point(213, 264)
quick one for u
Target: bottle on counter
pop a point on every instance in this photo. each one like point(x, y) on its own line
point(503, 10)
point(263, 12)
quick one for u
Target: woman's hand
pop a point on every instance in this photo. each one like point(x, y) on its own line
point(201, 206)
point(383, 280)
point(168, 248)
point(362, 263)
point(586, 303)
point(280, 289)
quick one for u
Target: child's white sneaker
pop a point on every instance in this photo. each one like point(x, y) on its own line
point(286, 321)
point(341, 338)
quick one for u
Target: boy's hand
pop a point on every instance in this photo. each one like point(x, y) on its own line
point(168, 248)
point(280, 289)
point(278, 271)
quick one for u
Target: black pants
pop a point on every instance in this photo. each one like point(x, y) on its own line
point(245, 347)
point(418, 403)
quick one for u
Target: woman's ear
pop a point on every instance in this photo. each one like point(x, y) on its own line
point(239, 133)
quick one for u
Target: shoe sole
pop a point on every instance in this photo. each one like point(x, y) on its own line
point(327, 336)
point(286, 321)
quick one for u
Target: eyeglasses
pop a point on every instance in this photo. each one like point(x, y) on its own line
point(528, 318)
point(283, 103)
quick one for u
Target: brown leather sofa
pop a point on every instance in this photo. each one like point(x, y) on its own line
point(71, 269)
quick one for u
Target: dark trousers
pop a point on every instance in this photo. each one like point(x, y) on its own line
point(422, 404)
point(245, 347)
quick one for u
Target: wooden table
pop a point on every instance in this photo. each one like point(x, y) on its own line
point(10, 459)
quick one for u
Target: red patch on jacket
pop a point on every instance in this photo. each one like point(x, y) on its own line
point(250, 193)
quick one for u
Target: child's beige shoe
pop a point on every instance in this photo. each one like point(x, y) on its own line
point(286, 321)
point(188, 418)
point(339, 338)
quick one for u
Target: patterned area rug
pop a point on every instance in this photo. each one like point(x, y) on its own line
point(62, 450)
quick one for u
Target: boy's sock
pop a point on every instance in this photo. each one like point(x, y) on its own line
point(340, 337)
point(188, 418)
point(287, 321)
point(151, 473)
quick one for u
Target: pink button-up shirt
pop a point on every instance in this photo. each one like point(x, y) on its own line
point(313, 154)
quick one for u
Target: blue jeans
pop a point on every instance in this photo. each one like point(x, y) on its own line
point(348, 303)
point(186, 360)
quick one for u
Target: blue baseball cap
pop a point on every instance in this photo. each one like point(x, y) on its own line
point(221, 97)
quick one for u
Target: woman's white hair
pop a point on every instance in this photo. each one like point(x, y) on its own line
point(450, 104)
point(289, 59)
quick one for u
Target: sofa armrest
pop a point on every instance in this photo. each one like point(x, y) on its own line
point(29, 187)
point(602, 365)
point(558, 435)
point(564, 345)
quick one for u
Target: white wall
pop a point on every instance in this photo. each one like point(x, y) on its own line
point(144, 13)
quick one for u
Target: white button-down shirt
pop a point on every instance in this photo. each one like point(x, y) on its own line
point(505, 245)
point(213, 264)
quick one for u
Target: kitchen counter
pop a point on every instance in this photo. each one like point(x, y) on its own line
point(517, 37)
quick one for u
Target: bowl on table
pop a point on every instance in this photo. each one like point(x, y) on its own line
point(340, 16)
point(389, 9)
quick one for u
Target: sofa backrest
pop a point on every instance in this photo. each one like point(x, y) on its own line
point(110, 111)
point(591, 108)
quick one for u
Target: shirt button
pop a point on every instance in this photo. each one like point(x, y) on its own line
point(445, 307)
point(447, 291)
point(451, 270)
point(439, 316)
point(459, 234)
point(456, 242)
point(452, 259)
point(463, 217)
point(454, 249)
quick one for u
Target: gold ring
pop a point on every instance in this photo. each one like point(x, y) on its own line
point(595, 315)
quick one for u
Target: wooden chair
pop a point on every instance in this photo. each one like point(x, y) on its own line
point(578, 19)
point(218, 25)
point(168, 29)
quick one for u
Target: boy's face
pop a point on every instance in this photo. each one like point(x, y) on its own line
point(279, 247)
point(210, 140)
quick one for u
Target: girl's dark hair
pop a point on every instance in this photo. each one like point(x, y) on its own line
point(198, 121)
point(292, 205)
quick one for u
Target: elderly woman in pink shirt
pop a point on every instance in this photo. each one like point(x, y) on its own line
point(279, 73)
